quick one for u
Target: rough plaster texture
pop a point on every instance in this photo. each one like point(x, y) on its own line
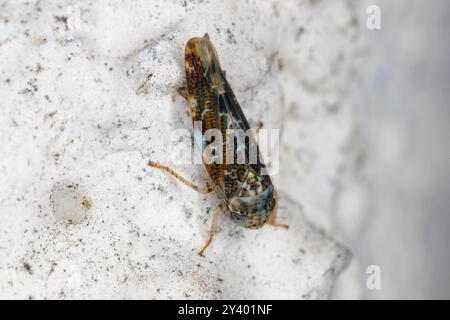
point(88, 96)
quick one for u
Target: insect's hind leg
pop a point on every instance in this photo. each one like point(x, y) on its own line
point(272, 221)
point(183, 91)
point(206, 189)
point(212, 231)
point(273, 218)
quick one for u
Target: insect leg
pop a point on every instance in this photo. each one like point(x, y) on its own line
point(183, 91)
point(206, 189)
point(212, 231)
point(273, 218)
point(259, 127)
point(272, 221)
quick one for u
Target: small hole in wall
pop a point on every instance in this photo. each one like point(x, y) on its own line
point(70, 202)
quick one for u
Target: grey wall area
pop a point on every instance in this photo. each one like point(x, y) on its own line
point(405, 128)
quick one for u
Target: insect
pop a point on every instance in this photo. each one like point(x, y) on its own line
point(246, 194)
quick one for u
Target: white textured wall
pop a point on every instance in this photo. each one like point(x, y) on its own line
point(88, 96)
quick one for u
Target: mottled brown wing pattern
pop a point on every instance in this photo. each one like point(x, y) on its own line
point(215, 105)
point(245, 191)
